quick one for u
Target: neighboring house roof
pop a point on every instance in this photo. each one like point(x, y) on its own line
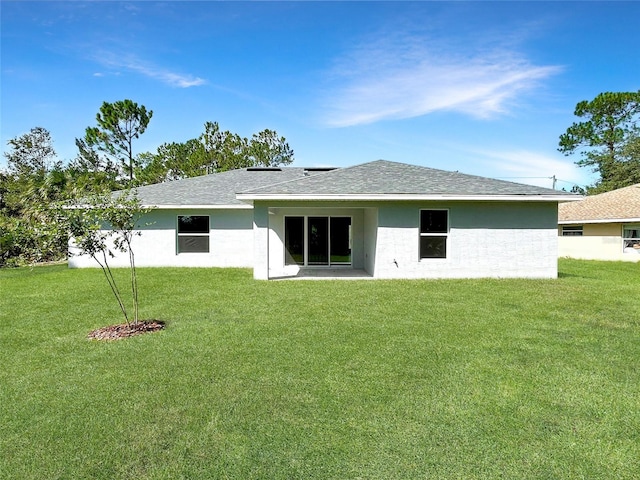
point(621, 205)
point(382, 179)
point(218, 189)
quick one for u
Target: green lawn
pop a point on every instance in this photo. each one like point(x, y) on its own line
point(322, 379)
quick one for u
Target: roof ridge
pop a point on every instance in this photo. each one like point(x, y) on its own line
point(628, 187)
point(213, 189)
point(621, 203)
point(209, 175)
point(314, 175)
point(333, 171)
point(389, 177)
point(470, 175)
point(611, 193)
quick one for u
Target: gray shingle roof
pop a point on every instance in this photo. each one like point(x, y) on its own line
point(380, 177)
point(214, 189)
point(383, 177)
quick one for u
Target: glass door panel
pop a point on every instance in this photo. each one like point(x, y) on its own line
point(318, 250)
point(294, 240)
point(340, 240)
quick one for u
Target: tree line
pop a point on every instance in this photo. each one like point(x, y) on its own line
point(607, 139)
point(36, 183)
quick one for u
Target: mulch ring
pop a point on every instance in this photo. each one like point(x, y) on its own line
point(116, 332)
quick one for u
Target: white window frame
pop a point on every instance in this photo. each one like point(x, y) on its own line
point(422, 234)
point(629, 243)
point(572, 230)
point(190, 234)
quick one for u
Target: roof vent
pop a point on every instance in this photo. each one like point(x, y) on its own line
point(320, 169)
point(264, 169)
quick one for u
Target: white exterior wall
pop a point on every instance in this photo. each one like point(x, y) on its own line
point(231, 241)
point(497, 240)
point(261, 242)
point(488, 239)
point(484, 240)
point(370, 239)
point(599, 241)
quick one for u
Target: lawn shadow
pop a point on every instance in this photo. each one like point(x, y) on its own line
point(572, 275)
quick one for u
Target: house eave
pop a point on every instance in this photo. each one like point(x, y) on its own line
point(599, 220)
point(248, 197)
point(199, 207)
point(174, 207)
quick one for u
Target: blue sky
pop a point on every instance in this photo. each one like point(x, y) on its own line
point(485, 88)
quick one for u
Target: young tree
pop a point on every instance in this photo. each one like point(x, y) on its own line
point(119, 123)
point(606, 139)
point(99, 227)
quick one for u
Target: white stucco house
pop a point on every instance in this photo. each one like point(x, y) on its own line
point(601, 227)
point(380, 219)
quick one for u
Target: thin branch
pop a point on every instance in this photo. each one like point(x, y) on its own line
point(134, 282)
point(112, 283)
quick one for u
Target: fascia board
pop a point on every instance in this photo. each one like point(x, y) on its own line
point(199, 207)
point(400, 197)
point(599, 220)
point(176, 207)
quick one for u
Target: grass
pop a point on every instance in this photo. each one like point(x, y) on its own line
point(322, 379)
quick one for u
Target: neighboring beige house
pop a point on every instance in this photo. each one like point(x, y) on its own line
point(601, 227)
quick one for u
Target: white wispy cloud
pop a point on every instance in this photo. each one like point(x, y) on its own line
point(525, 166)
point(406, 77)
point(148, 69)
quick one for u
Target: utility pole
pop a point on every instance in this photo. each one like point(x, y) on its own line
point(553, 178)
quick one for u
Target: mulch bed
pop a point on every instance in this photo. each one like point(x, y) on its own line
point(116, 332)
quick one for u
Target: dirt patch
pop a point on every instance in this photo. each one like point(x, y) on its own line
point(116, 332)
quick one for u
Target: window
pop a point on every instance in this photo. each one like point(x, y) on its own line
point(193, 234)
point(434, 229)
point(572, 230)
point(631, 239)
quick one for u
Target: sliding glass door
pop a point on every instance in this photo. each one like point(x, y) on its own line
point(294, 240)
point(340, 240)
point(317, 241)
